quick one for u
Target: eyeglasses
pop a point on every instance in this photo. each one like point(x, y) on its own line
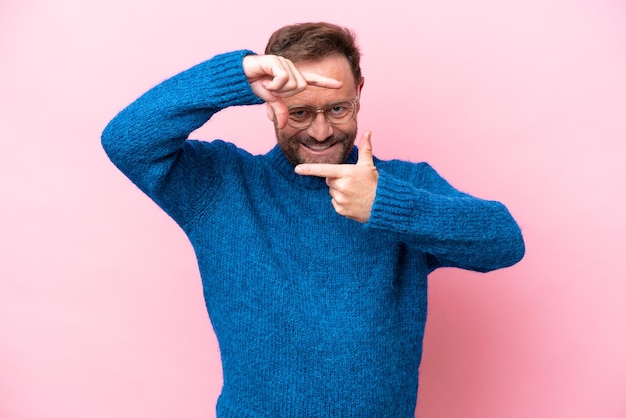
point(301, 117)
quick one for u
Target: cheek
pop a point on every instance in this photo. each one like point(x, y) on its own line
point(286, 139)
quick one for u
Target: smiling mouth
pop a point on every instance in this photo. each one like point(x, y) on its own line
point(318, 147)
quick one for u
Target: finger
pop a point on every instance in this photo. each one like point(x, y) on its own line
point(295, 81)
point(283, 81)
point(314, 79)
point(279, 74)
point(366, 156)
point(322, 170)
point(281, 113)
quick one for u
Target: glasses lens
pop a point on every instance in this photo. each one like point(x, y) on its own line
point(300, 117)
point(339, 112)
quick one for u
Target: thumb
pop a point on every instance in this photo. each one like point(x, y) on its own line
point(280, 113)
point(365, 149)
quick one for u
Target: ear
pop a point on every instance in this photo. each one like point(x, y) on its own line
point(359, 89)
point(360, 86)
point(270, 111)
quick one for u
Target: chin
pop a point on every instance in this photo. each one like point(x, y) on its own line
point(295, 151)
point(338, 157)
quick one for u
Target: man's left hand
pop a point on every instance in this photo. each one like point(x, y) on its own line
point(351, 186)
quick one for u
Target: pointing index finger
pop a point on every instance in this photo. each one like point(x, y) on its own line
point(314, 79)
point(321, 170)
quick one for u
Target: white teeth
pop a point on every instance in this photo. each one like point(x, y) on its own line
point(318, 147)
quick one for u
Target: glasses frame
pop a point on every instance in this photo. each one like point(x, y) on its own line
point(323, 110)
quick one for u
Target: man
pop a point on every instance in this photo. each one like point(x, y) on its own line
point(314, 257)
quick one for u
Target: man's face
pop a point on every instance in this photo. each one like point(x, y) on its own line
point(321, 142)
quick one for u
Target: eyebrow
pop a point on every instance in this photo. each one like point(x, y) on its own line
point(323, 107)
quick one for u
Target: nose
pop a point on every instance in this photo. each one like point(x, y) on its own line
point(320, 129)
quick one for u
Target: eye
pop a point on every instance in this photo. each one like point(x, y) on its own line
point(299, 114)
point(339, 110)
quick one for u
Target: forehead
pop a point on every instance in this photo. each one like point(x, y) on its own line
point(334, 66)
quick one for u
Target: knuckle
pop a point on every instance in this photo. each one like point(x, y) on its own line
point(340, 210)
point(342, 186)
point(340, 198)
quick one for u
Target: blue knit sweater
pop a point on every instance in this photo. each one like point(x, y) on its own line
point(315, 314)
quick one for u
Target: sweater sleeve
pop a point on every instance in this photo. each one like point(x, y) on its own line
point(452, 228)
point(148, 140)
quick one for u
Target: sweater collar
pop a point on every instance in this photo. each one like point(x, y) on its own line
point(277, 159)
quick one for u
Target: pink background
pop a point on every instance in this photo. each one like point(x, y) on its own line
point(524, 101)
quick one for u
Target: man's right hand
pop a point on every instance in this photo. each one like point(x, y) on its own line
point(273, 78)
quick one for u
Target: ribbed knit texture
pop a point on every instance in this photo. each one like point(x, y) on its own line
point(316, 315)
